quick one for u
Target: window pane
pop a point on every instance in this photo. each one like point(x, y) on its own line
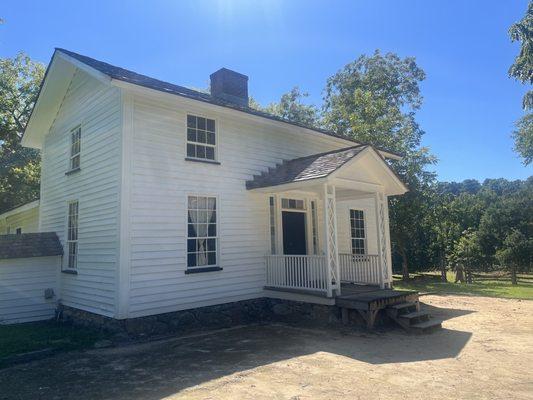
point(200, 151)
point(202, 230)
point(201, 137)
point(210, 153)
point(191, 260)
point(210, 138)
point(212, 203)
point(212, 258)
point(202, 216)
point(211, 125)
point(191, 150)
point(191, 245)
point(192, 202)
point(191, 121)
point(201, 123)
point(191, 135)
point(212, 230)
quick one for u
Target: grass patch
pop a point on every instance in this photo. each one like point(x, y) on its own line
point(22, 338)
point(490, 285)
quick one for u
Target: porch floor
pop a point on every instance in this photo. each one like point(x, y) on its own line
point(361, 297)
point(369, 297)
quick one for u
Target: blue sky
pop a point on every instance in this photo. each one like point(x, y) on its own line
point(469, 107)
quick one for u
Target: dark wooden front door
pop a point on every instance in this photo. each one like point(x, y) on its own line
point(294, 241)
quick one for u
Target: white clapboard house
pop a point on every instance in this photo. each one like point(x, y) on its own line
point(166, 199)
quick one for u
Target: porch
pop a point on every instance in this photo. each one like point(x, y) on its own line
point(328, 221)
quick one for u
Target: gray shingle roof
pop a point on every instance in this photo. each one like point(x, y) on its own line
point(305, 168)
point(40, 244)
point(162, 86)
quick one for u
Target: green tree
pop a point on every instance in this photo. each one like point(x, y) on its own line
point(374, 100)
point(523, 138)
point(516, 252)
point(292, 108)
point(468, 254)
point(522, 70)
point(20, 80)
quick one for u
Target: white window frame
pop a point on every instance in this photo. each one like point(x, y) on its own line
point(72, 242)
point(77, 130)
point(365, 233)
point(216, 237)
point(196, 143)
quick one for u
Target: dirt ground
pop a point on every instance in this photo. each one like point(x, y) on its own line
point(485, 351)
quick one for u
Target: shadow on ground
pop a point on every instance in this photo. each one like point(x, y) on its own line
point(154, 371)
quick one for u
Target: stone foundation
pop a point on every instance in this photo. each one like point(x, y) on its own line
point(262, 310)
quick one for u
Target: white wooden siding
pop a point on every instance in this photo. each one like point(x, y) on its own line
point(22, 285)
point(97, 107)
point(160, 182)
point(28, 220)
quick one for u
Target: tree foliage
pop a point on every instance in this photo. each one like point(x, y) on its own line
point(292, 108)
point(20, 79)
point(522, 70)
point(523, 138)
point(374, 100)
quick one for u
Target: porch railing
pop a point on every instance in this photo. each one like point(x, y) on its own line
point(307, 272)
point(357, 268)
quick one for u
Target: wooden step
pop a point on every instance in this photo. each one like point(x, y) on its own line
point(403, 305)
point(426, 326)
point(396, 310)
point(415, 317)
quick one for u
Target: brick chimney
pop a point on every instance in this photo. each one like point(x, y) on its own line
point(230, 86)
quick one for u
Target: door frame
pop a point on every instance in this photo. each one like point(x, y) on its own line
point(307, 198)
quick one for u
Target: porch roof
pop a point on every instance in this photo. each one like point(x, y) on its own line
point(305, 168)
point(355, 167)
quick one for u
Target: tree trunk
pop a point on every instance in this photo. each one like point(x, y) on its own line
point(443, 277)
point(405, 267)
point(459, 274)
point(514, 280)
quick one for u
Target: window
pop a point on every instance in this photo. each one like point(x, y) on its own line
point(18, 231)
point(314, 225)
point(357, 222)
point(201, 231)
point(201, 138)
point(292, 204)
point(272, 208)
point(75, 148)
point(72, 235)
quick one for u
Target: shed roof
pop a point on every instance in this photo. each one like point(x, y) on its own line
point(42, 244)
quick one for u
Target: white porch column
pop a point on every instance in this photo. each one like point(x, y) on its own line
point(382, 226)
point(330, 240)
